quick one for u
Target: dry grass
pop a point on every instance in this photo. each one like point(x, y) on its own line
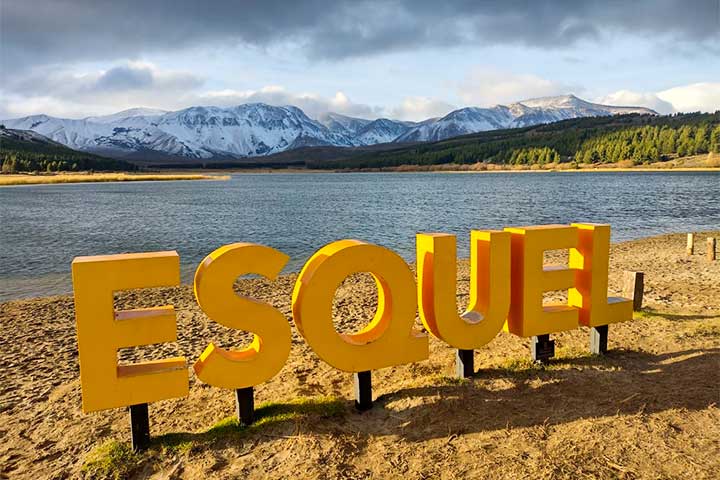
point(28, 179)
point(705, 162)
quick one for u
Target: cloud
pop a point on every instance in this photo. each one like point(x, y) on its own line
point(420, 108)
point(691, 98)
point(38, 32)
point(637, 99)
point(125, 77)
point(312, 104)
point(488, 86)
point(704, 97)
point(71, 94)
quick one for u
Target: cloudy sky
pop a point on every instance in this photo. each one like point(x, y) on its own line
point(404, 59)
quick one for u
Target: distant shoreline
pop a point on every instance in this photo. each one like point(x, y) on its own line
point(405, 169)
point(61, 178)
point(693, 163)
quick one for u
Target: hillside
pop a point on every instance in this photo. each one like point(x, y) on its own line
point(27, 151)
point(608, 139)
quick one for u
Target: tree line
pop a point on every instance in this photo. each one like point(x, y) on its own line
point(20, 155)
point(651, 144)
point(634, 137)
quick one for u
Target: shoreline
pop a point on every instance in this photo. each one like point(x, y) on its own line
point(404, 169)
point(12, 180)
point(293, 273)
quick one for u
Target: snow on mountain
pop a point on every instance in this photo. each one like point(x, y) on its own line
point(127, 114)
point(365, 132)
point(342, 124)
point(382, 130)
point(26, 136)
point(522, 114)
point(256, 129)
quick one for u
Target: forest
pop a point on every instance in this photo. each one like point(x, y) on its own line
point(22, 152)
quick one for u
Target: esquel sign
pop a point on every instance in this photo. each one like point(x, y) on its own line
point(507, 282)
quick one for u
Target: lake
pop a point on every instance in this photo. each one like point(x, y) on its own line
point(45, 226)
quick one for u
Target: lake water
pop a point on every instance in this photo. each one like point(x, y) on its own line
point(45, 226)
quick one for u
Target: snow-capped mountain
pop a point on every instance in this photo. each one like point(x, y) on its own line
point(365, 132)
point(521, 114)
point(343, 124)
point(196, 132)
point(257, 129)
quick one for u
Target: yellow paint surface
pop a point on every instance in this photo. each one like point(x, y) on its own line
point(591, 258)
point(489, 287)
point(269, 350)
point(389, 339)
point(530, 278)
point(102, 331)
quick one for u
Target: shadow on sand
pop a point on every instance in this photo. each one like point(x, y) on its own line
point(622, 382)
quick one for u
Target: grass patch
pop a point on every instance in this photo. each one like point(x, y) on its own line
point(112, 459)
point(116, 460)
point(522, 364)
point(701, 330)
point(564, 356)
point(270, 413)
point(449, 380)
point(571, 353)
point(266, 415)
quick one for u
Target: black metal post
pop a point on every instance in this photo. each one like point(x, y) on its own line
point(245, 405)
point(139, 426)
point(363, 390)
point(464, 363)
point(598, 340)
point(542, 348)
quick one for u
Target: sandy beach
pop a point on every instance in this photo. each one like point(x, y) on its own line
point(648, 409)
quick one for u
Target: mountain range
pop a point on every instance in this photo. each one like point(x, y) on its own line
point(257, 129)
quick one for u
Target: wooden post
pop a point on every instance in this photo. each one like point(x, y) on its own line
point(464, 363)
point(245, 406)
point(690, 249)
point(542, 348)
point(598, 339)
point(363, 390)
point(139, 426)
point(711, 249)
point(633, 287)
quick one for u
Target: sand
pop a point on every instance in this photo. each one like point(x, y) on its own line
point(648, 409)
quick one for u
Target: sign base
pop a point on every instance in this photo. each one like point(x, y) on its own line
point(598, 340)
point(542, 348)
point(363, 390)
point(139, 426)
point(245, 406)
point(464, 363)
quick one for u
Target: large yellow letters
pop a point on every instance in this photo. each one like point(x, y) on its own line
point(528, 316)
point(102, 331)
point(489, 287)
point(269, 350)
point(389, 339)
point(507, 281)
point(591, 260)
